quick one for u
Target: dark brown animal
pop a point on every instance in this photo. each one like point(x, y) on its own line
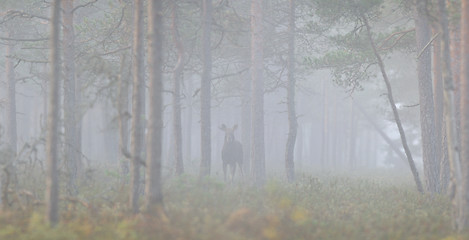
point(232, 152)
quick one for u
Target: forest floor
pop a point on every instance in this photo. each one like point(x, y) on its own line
point(315, 207)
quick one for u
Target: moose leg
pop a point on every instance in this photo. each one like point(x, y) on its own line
point(242, 171)
point(224, 170)
point(233, 171)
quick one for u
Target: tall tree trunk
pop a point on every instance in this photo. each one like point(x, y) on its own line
point(431, 164)
point(52, 144)
point(188, 118)
point(177, 75)
point(333, 147)
point(11, 130)
point(123, 111)
point(464, 87)
point(324, 132)
point(246, 125)
point(153, 185)
point(455, 51)
point(205, 92)
point(299, 148)
point(70, 147)
point(292, 121)
point(138, 110)
point(440, 136)
point(8, 173)
point(123, 95)
point(257, 98)
point(455, 187)
point(393, 106)
point(352, 138)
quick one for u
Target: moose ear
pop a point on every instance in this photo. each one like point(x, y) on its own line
point(235, 127)
point(222, 127)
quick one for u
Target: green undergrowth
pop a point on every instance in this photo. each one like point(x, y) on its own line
point(319, 207)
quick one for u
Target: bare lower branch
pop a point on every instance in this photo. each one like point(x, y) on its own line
point(83, 5)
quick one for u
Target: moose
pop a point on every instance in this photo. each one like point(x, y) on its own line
point(232, 152)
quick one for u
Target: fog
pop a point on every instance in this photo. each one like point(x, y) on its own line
point(100, 133)
point(337, 54)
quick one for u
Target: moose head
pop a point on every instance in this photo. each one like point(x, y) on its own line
point(229, 132)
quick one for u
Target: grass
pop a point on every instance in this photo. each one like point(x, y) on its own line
point(324, 207)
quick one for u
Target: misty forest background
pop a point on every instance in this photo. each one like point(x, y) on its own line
point(352, 116)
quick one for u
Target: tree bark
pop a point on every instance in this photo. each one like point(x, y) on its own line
point(52, 143)
point(153, 185)
point(324, 132)
point(188, 120)
point(9, 173)
point(418, 183)
point(440, 131)
point(431, 164)
point(11, 130)
point(455, 51)
point(246, 125)
point(177, 76)
point(292, 121)
point(352, 137)
point(72, 156)
point(257, 97)
point(123, 110)
point(138, 109)
point(455, 187)
point(205, 92)
point(464, 88)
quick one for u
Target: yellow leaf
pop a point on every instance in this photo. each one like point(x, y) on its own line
point(299, 215)
point(270, 232)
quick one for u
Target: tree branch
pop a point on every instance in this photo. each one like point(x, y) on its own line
point(401, 33)
point(24, 39)
point(428, 44)
point(83, 5)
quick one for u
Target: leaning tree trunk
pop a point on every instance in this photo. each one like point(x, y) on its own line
point(431, 164)
point(395, 148)
point(292, 121)
point(393, 106)
point(257, 98)
point(138, 98)
point(177, 75)
point(52, 142)
point(205, 95)
point(455, 190)
point(153, 185)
